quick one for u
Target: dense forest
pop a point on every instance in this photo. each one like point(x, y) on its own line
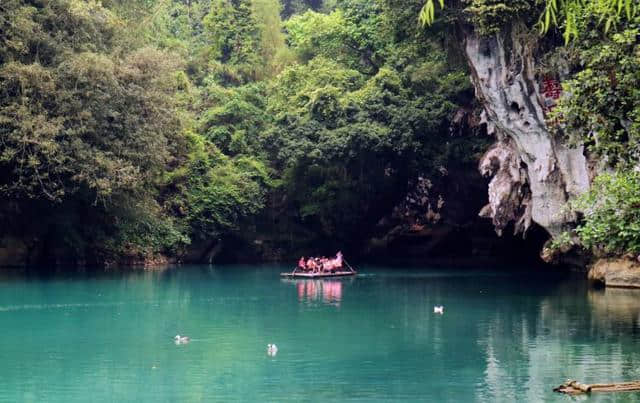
point(137, 129)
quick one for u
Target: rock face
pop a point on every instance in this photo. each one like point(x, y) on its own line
point(13, 252)
point(534, 173)
point(509, 194)
point(619, 272)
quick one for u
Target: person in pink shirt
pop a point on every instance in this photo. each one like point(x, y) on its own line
point(311, 265)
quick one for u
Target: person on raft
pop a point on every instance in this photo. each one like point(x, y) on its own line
point(321, 265)
point(311, 265)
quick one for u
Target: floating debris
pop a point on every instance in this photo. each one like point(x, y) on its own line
point(574, 387)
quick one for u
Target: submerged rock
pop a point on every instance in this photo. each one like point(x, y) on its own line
point(616, 272)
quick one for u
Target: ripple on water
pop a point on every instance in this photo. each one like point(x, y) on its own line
point(504, 336)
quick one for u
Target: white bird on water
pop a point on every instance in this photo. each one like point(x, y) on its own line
point(272, 350)
point(438, 309)
point(181, 339)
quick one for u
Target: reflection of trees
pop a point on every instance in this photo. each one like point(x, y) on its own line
point(572, 333)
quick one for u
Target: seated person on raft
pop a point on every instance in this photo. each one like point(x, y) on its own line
point(320, 265)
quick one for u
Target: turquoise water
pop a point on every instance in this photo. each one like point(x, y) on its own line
point(504, 336)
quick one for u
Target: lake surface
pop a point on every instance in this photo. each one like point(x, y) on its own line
point(505, 336)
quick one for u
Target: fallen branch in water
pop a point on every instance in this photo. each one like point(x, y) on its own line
point(574, 387)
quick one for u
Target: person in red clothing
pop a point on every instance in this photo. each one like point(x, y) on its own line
point(301, 264)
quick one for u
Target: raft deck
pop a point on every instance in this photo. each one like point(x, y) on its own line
point(301, 274)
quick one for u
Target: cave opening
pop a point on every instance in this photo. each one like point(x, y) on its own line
point(462, 238)
point(474, 244)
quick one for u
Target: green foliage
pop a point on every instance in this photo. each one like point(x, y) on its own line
point(427, 13)
point(83, 125)
point(141, 228)
point(67, 127)
point(561, 242)
point(235, 40)
point(490, 16)
point(487, 16)
point(273, 49)
point(611, 212)
point(293, 7)
point(350, 35)
point(42, 34)
point(236, 120)
point(340, 133)
point(314, 32)
point(215, 192)
point(603, 109)
point(568, 12)
point(136, 127)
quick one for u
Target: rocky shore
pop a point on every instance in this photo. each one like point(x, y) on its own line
point(616, 272)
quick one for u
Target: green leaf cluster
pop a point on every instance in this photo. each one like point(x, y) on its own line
point(602, 108)
point(611, 214)
point(492, 16)
point(347, 136)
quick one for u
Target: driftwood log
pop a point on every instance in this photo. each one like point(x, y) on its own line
point(574, 387)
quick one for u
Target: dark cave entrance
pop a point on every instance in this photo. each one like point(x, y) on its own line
point(462, 237)
point(473, 244)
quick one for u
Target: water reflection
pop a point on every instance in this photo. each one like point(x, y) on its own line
point(578, 333)
point(503, 337)
point(328, 292)
point(620, 305)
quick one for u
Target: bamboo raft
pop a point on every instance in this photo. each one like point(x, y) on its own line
point(301, 274)
point(574, 387)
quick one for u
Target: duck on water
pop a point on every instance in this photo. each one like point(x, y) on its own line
point(181, 339)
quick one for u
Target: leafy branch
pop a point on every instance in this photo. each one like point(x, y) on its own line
point(562, 13)
point(428, 11)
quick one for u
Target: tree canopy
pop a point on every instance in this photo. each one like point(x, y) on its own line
point(139, 127)
point(491, 15)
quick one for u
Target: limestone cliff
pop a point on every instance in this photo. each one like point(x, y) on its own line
point(534, 173)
